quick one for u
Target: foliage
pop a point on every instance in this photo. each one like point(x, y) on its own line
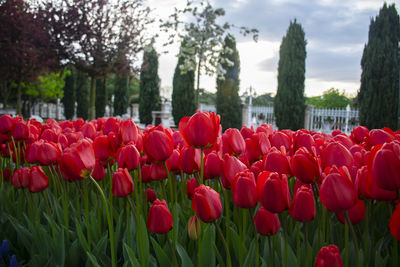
point(149, 97)
point(207, 97)
point(101, 97)
point(228, 100)
point(378, 97)
point(330, 99)
point(82, 95)
point(69, 97)
point(121, 94)
point(204, 37)
point(183, 95)
point(289, 104)
point(263, 100)
point(48, 87)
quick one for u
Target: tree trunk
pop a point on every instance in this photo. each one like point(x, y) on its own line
point(198, 84)
point(19, 98)
point(5, 92)
point(92, 98)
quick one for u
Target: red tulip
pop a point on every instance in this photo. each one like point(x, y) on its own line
point(201, 130)
point(77, 162)
point(244, 192)
point(359, 133)
point(336, 154)
point(151, 195)
point(179, 142)
point(385, 166)
point(233, 142)
point(49, 153)
point(257, 145)
point(5, 174)
point(158, 172)
point(302, 208)
point(329, 257)
point(379, 137)
point(191, 185)
point(189, 160)
point(261, 179)
point(128, 131)
point(110, 125)
point(304, 166)
point(49, 135)
point(303, 139)
point(104, 149)
point(88, 130)
point(356, 213)
point(337, 191)
point(275, 195)
point(257, 167)
point(275, 161)
point(279, 139)
point(212, 166)
point(32, 152)
point(6, 124)
point(99, 172)
point(145, 171)
point(21, 177)
point(206, 203)
point(230, 167)
point(122, 184)
point(394, 223)
point(38, 180)
point(266, 223)
point(247, 132)
point(20, 130)
point(159, 220)
point(128, 157)
point(173, 161)
point(158, 144)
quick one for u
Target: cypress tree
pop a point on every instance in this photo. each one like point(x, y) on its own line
point(289, 104)
point(379, 92)
point(183, 94)
point(69, 98)
point(149, 95)
point(101, 97)
point(82, 95)
point(228, 100)
point(121, 84)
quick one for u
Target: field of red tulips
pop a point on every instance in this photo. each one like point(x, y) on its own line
point(107, 193)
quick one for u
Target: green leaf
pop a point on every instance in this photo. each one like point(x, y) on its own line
point(81, 236)
point(206, 248)
point(92, 259)
point(251, 255)
point(221, 261)
point(236, 243)
point(131, 255)
point(142, 240)
point(162, 257)
point(186, 261)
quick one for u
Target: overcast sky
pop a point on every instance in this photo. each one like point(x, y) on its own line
point(336, 32)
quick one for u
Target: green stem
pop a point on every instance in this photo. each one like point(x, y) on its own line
point(169, 182)
point(201, 165)
point(346, 244)
point(355, 241)
point(257, 252)
point(86, 203)
point(228, 254)
point(174, 259)
point(271, 253)
point(298, 243)
point(110, 223)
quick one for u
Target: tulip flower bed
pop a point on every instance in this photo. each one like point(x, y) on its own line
point(106, 193)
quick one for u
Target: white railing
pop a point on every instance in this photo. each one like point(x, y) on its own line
point(327, 120)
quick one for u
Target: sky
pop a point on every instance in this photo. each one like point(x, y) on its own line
point(336, 32)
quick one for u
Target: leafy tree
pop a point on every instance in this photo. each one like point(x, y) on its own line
point(228, 100)
point(207, 97)
point(121, 94)
point(263, 100)
point(289, 104)
point(101, 97)
point(82, 95)
point(149, 96)
point(378, 97)
point(183, 95)
point(331, 98)
point(204, 37)
point(69, 97)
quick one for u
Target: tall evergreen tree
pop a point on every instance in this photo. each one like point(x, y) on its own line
point(289, 104)
point(149, 96)
point(228, 100)
point(101, 97)
point(183, 94)
point(121, 84)
point(379, 92)
point(69, 98)
point(82, 95)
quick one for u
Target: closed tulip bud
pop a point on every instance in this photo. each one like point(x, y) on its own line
point(6, 124)
point(244, 191)
point(279, 139)
point(303, 139)
point(179, 142)
point(394, 224)
point(266, 223)
point(304, 166)
point(212, 166)
point(359, 133)
point(337, 191)
point(230, 167)
point(190, 160)
point(329, 257)
point(275, 161)
point(257, 145)
point(21, 177)
point(103, 148)
point(158, 172)
point(200, 130)
point(122, 184)
point(110, 125)
point(247, 132)
point(159, 220)
point(88, 130)
point(257, 167)
point(206, 203)
point(5, 174)
point(173, 161)
point(158, 144)
point(77, 162)
point(128, 157)
point(191, 185)
point(32, 152)
point(151, 195)
point(99, 172)
point(49, 135)
point(194, 228)
point(336, 154)
point(302, 208)
point(38, 180)
point(49, 153)
point(275, 195)
point(20, 130)
point(128, 131)
point(356, 213)
point(233, 142)
point(380, 136)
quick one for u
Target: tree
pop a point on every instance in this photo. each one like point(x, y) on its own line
point(331, 98)
point(149, 96)
point(183, 95)
point(69, 97)
point(121, 94)
point(82, 95)
point(379, 92)
point(289, 104)
point(101, 97)
point(228, 100)
point(95, 35)
point(204, 37)
point(25, 47)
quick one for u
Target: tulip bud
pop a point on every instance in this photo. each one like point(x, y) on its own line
point(128, 157)
point(21, 177)
point(159, 220)
point(150, 195)
point(275, 195)
point(206, 203)
point(329, 257)
point(122, 184)
point(38, 180)
point(6, 123)
point(194, 228)
point(244, 192)
point(158, 144)
point(266, 223)
point(356, 213)
point(190, 187)
point(233, 142)
point(303, 206)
